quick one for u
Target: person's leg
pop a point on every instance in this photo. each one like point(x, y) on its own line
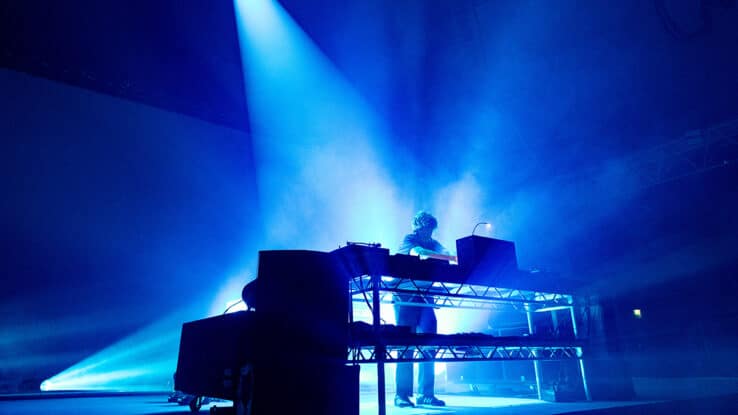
point(426, 377)
point(405, 316)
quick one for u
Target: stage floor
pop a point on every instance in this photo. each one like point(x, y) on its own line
point(157, 404)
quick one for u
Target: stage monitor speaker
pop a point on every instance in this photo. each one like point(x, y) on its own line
point(239, 357)
point(212, 350)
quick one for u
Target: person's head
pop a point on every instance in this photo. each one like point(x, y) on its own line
point(424, 224)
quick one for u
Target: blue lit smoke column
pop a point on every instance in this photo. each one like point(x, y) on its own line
point(321, 154)
point(318, 148)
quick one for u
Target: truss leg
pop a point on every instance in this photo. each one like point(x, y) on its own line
point(584, 380)
point(379, 349)
point(350, 306)
point(536, 363)
point(581, 361)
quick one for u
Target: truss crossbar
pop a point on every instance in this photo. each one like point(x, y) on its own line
point(456, 295)
point(406, 353)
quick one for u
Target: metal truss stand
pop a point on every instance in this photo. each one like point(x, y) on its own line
point(384, 348)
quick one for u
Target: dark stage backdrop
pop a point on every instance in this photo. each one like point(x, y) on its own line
point(113, 213)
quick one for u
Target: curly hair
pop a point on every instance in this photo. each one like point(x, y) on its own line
point(424, 219)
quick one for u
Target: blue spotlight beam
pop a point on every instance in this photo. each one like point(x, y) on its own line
point(318, 146)
point(142, 362)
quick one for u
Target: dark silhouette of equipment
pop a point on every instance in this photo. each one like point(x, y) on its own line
point(288, 353)
point(286, 356)
point(486, 260)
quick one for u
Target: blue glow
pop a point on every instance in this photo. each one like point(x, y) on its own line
point(319, 149)
point(143, 361)
point(229, 291)
point(553, 308)
point(323, 159)
point(488, 401)
point(459, 205)
point(368, 376)
point(368, 403)
point(235, 305)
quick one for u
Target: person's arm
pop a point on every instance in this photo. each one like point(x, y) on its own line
point(417, 250)
point(439, 253)
point(427, 253)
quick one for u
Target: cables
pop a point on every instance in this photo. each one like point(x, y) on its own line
point(232, 305)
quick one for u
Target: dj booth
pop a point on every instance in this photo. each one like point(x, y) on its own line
point(298, 347)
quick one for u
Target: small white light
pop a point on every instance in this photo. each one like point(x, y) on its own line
point(637, 313)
